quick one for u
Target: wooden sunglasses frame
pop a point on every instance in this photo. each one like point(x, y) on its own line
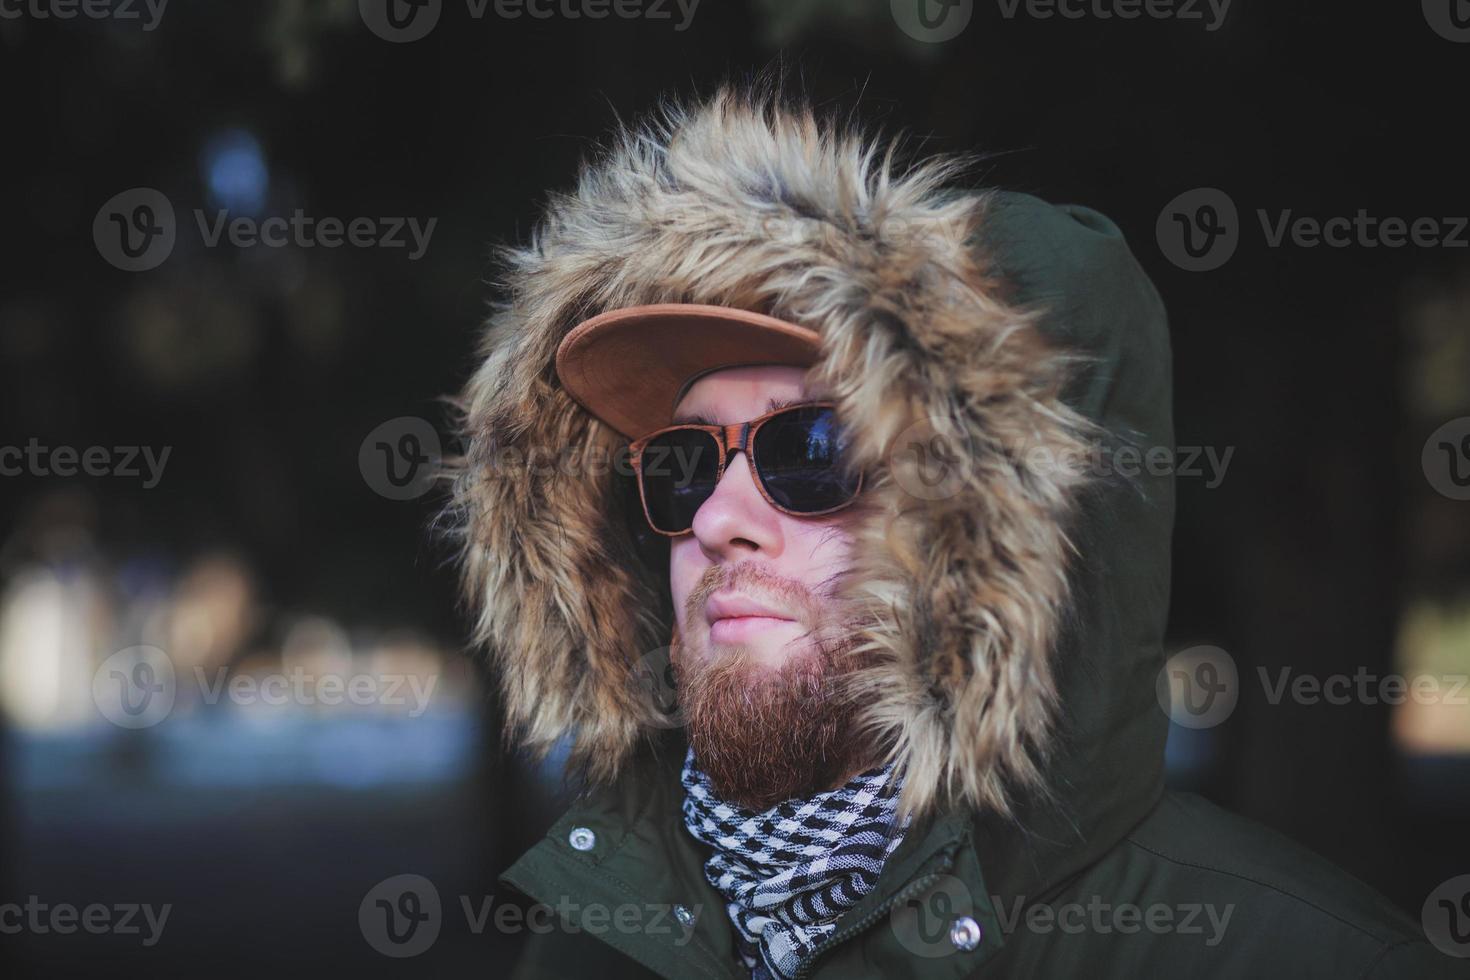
point(737, 436)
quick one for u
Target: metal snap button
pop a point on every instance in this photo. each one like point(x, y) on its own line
point(582, 839)
point(965, 933)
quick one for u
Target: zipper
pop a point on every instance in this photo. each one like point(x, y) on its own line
point(903, 894)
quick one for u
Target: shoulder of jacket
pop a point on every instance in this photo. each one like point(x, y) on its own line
point(1240, 857)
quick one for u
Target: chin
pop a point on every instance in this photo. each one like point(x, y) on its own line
point(768, 721)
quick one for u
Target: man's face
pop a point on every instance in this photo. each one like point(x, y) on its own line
point(754, 648)
point(750, 579)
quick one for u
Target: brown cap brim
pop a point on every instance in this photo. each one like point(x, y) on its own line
point(629, 366)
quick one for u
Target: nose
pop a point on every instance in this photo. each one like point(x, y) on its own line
point(736, 522)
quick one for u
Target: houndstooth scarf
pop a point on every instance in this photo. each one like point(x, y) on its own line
point(789, 872)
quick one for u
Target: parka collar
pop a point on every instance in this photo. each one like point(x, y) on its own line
point(625, 847)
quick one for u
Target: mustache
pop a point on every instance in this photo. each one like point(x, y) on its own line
point(759, 582)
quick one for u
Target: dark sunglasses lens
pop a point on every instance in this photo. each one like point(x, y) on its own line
point(798, 455)
point(678, 471)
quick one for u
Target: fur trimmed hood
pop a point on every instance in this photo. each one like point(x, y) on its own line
point(978, 345)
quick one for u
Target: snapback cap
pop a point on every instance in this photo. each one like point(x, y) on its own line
point(629, 367)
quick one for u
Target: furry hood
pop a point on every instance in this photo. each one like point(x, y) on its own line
point(976, 344)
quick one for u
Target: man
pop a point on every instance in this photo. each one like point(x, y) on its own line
point(915, 635)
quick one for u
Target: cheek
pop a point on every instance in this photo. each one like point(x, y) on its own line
point(817, 551)
point(686, 564)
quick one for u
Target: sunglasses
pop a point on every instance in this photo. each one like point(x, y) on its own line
point(795, 453)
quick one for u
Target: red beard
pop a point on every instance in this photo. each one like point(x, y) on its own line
point(768, 734)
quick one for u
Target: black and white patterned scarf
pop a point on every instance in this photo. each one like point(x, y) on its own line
point(789, 872)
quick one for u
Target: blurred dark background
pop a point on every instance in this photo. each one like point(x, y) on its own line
point(268, 547)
